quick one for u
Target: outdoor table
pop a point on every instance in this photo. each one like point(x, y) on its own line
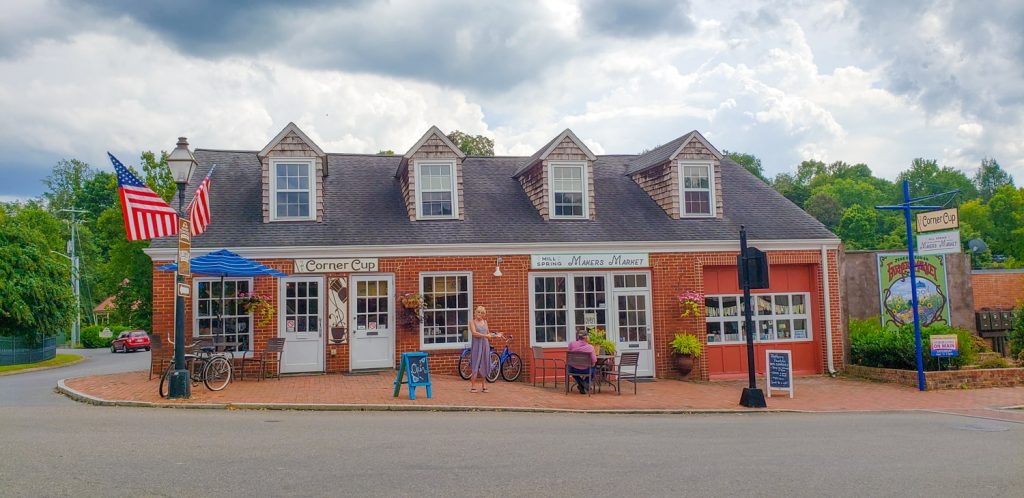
point(604, 366)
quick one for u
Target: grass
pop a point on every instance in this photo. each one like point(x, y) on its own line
point(60, 359)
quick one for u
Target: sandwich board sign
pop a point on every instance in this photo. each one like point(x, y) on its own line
point(778, 365)
point(415, 367)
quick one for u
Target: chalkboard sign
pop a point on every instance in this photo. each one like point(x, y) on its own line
point(779, 370)
point(416, 369)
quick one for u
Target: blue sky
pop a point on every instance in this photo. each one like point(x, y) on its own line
point(877, 82)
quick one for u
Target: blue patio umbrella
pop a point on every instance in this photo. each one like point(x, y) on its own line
point(224, 263)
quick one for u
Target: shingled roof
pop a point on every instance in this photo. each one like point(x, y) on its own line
point(363, 206)
point(665, 152)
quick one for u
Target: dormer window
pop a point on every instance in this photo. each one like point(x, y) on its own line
point(292, 187)
point(698, 189)
point(435, 189)
point(568, 189)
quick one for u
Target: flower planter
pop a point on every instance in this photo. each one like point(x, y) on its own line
point(683, 364)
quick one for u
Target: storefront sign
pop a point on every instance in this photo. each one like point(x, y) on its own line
point(335, 265)
point(601, 260)
point(933, 221)
point(184, 248)
point(779, 369)
point(946, 242)
point(106, 333)
point(894, 289)
point(944, 346)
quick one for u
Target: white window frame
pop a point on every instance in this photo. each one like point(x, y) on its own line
point(469, 312)
point(419, 188)
point(807, 316)
point(570, 306)
point(582, 166)
point(681, 170)
point(310, 163)
point(195, 304)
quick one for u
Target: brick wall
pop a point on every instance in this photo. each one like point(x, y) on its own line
point(997, 289)
point(948, 379)
point(507, 300)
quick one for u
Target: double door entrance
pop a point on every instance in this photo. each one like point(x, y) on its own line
point(371, 322)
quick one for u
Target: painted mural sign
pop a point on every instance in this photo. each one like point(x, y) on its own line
point(894, 288)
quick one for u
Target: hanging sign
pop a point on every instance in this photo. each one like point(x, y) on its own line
point(335, 265)
point(184, 247)
point(779, 370)
point(944, 346)
point(603, 260)
point(415, 367)
point(945, 242)
point(184, 290)
point(933, 221)
point(894, 289)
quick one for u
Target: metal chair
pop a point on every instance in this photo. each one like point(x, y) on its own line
point(275, 346)
point(630, 359)
point(541, 363)
point(157, 356)
point(580, 360)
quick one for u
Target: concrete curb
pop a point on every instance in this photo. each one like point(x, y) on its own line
point(51, 367)
point(93, 400)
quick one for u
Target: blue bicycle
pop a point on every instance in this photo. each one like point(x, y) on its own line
point(508, 364)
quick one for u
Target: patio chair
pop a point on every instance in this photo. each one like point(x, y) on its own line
point(275, 346)
point(158, 358)
point(580, 360)
point(541, 363)
point(630, 359)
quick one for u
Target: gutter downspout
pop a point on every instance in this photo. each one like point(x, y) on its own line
point(828, 311)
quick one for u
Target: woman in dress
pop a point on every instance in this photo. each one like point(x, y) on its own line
point(480, 349)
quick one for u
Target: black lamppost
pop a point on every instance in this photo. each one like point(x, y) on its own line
point(181, 163)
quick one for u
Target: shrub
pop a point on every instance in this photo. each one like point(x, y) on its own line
point(91, 335)
point(873, 346)
point(1016, 335)
point(980, 344)
point(997, 362)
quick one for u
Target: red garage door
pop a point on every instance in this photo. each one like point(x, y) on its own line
point(785, 317)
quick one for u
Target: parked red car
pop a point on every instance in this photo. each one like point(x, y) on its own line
point(130, 340)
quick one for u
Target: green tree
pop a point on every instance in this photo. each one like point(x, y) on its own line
point(926, 177)
point(851, 192)
point(825, 208)
point(749, 161)
point(788, 185)
point(858, 227)
point(157, 175)
point(990, 177)
point(98, 193)
point(385, 152)
point(35, 298)
point(1006, 211)
point(472, 145)
point(127, 272)
point(65, 184)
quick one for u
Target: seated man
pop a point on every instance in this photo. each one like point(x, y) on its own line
point(581, 344)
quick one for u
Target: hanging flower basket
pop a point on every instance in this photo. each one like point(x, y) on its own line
point(258, 305)
point(689, 303)
point(413, 304)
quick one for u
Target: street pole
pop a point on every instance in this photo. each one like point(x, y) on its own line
point(76, 328)
point(180, 386)
point(752, 397)
point(913, 287)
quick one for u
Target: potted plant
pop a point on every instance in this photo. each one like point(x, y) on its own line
point(685, 347)
point(596, 337)
point(258, 305)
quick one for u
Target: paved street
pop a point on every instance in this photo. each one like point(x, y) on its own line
point(56, 447)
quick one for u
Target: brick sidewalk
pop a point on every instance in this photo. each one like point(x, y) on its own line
point(819, 394)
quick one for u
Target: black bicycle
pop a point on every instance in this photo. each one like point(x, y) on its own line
point(207, 366)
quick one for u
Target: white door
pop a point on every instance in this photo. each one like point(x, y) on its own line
point(301, 302)
point(372, 327)
point(633, 327)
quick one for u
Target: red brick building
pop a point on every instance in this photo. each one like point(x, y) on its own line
point(548, 244)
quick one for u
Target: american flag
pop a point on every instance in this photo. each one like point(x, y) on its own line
point(146, 214)
point(199, 208)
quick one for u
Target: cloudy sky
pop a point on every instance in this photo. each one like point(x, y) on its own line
point(871, 81)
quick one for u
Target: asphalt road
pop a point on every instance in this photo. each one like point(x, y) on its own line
point(56, 447)
point(36, 388)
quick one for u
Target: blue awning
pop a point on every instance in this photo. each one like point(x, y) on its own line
point(224, 263)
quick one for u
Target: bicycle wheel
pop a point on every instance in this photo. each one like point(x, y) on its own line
point(464, 366)
point(165, 381)
point(495, 367)
point(217, 373)
point(512, 367)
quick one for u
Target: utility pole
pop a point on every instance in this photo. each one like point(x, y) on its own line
point(75, 276)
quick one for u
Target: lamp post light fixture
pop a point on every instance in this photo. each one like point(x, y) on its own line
point(497, 267)
point(181, 163)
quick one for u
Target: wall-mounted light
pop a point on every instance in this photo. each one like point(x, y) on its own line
point(497, 267)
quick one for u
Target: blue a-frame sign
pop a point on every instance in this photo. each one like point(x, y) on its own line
point(416, 367)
